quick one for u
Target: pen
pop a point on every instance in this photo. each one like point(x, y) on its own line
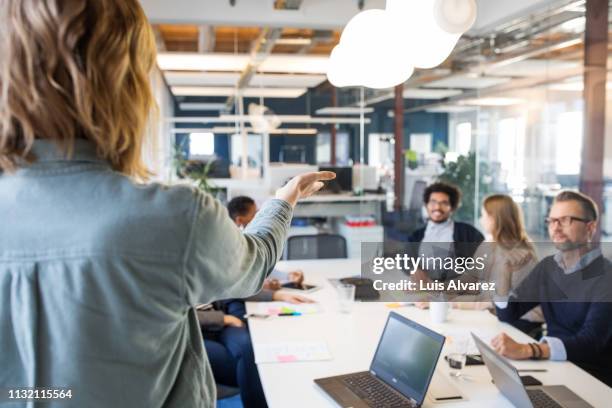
point(449, 398)
point(290, 314)
point(533, 370)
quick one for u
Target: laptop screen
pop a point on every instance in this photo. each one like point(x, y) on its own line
point(406, 356)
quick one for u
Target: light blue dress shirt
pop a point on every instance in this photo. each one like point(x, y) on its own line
point(98, 276)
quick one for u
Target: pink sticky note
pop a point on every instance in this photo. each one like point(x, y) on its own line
point(286, 358)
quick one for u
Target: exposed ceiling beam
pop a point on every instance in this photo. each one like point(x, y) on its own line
point(514, 85)
point(206, 39)
point(287, 4)
point(314, 14)
point(262, 47)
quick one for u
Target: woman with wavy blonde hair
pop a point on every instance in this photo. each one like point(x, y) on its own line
point(100, 275)
point(509, 253)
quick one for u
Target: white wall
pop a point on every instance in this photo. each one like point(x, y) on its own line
point(158, 147)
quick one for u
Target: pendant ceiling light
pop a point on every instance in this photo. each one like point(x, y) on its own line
point(381, 48)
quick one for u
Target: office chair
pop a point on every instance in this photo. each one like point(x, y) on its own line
point(320, 246)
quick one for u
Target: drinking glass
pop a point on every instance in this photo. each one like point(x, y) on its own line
point(346, 297)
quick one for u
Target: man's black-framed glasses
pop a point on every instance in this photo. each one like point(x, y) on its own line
point(565, 221)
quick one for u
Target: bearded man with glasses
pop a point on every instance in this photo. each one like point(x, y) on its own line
point(574, 289)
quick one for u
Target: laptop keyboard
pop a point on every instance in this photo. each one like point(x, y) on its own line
point(374, 392)
point(542, 400)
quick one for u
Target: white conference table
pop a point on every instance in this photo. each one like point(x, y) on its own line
point(352, 339)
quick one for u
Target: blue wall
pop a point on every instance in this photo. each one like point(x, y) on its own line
point(419, 122)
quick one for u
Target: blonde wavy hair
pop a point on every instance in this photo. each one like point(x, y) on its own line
point(75, 69)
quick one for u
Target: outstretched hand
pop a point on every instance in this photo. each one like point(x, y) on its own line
point(303, 186)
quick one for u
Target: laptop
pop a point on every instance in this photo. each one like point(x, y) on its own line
point(400, 372)
point(508, 381)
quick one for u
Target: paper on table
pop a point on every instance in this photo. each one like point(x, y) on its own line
point(291, 352)
point(484, 335)
point(276, 308)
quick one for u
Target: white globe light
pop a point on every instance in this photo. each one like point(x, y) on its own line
point(426, 42)
point(455, 16)
point(367, 54)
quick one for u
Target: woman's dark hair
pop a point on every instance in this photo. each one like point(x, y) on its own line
point(239, 206)
point(453, 193)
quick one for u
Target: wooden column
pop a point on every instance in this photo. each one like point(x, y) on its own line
point(399, 147)
point(595, 73)
point(332, 133)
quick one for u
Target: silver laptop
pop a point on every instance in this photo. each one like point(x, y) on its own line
point(508, 381)
point(400, 371)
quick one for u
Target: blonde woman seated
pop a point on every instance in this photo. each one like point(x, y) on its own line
point(510, 256)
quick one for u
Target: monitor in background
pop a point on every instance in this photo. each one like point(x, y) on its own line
point(292, 154)
point(342, 182)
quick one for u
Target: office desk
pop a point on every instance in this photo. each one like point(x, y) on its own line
point(352, 340)
point(339, 205)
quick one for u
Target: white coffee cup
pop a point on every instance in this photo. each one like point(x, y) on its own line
point(438, 311)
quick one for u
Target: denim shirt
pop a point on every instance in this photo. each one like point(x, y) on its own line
point(99, 276)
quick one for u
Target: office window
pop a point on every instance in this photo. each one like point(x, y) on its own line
point(324, 148)
point(254, 150)
point(569, 143)
point(380, 149)
point(202, 144)
point(420, 143)
point(463, 138)
point(511, 151)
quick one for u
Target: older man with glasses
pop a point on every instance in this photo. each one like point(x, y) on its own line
point(574, 289)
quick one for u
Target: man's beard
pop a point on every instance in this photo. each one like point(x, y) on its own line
point(570, 246)
point(443, 220)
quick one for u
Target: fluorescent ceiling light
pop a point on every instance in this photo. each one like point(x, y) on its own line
point(287, 80)
point(278, 63)
point(450, 109)
point(343, 110)
point(202, 62)
point(177, 78)
point(279, 131)
point(293, 41)
point(189, 130)
point(247, 92)
point(467, 82)
point(492, 101)
point(283, 119)
point(301, 119)
point(416, 93)
point(531, 68)
point(577, 86)
point(297, 64)
point(201, 106)
point(419, 93)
